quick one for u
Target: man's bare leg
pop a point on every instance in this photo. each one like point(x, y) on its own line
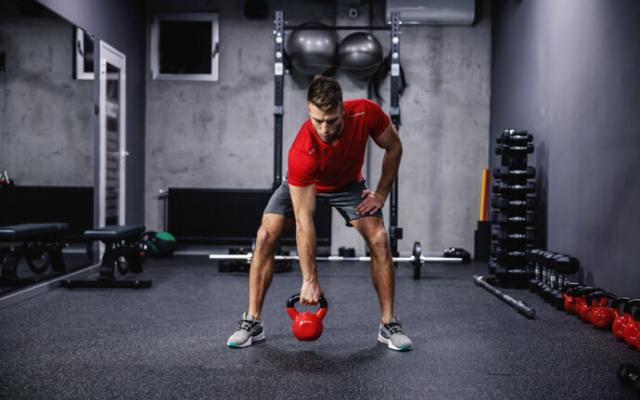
point(390, 331)
point(382, 273)
point(261, 272)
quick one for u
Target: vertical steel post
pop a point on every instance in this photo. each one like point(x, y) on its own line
point(278, 111)
point(395, 232)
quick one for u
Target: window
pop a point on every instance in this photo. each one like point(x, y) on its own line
point(185, 47)
point(83, 45)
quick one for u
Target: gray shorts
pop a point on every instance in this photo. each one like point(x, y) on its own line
point(345, 201)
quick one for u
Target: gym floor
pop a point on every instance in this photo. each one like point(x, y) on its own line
point(169, 341)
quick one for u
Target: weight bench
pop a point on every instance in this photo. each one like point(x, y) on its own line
point(40, 244)
point(122, 251)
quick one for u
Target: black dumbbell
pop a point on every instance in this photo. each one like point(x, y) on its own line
point(500, 218)
point(524, 149)
point(533, 257)
point(521, 242)
point(544, 258)
point(507, 238)
point(552, 276)
point(502, 203)
point(548, 293)
point(502, 254)
point(346, 251)
point(506, 189)
point(563, 265)
point(507, 133)
point(629, 375)
point(506, 172)
point(508, 139)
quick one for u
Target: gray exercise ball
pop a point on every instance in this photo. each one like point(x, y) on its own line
point(312, 52)
point(360, 55)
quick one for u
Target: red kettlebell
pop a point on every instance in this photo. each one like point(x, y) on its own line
point(568, 297)
point(632, 333)
point(601, 315)
point(306, 325)
point(615, 310)
point(632, 328)
point(582, 308)
point(623, 318)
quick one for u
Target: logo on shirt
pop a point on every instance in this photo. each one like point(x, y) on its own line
point(356, 114)
point(312, 150)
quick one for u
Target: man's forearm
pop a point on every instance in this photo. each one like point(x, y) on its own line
point(306, 245)
point(390, 166)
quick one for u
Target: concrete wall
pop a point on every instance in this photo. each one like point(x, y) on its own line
point(121, 24)
point(220, 135)
point(568, 71)
point(46, 117)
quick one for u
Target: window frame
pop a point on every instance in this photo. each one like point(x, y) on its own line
point(212, 76)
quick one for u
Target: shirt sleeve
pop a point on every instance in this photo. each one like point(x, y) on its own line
point(301, 168)
point(377, 119)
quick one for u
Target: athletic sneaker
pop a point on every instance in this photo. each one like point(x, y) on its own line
point(391, 335)
point(250, 330)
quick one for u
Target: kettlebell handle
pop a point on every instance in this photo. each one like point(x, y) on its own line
point(632, 307)
point(598, 296)
point(296, 298)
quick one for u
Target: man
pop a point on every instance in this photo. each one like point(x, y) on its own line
point(325, 162)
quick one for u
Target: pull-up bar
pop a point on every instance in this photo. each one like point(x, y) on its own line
point(303, 27)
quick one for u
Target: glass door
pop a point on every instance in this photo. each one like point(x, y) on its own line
point(113, 147)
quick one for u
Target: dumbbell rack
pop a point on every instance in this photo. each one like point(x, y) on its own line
point(513, 202)
point(551, 275)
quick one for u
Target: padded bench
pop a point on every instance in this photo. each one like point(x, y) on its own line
point(122, 252)
point(40, 244)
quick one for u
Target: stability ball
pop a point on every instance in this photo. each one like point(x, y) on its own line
point(360, 55)
point(312, 52)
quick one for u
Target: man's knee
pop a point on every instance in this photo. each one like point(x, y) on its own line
point(378, 239)
point(266, 237)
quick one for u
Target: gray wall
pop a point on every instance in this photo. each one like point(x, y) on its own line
point(220, 135)
point(567, 70)
point(121, 24)
point(46, 117)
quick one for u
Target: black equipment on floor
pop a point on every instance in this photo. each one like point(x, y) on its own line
point(519, 305)
point(482, 241)
point(122, 252)
point(244, 265)
point(39, 244)
point(157, 244)
point(629, 375)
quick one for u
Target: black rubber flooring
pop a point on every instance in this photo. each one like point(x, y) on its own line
point(168, 342)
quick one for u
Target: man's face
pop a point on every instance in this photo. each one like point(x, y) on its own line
point(328, 124)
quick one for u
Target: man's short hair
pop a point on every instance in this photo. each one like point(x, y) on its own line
point(324, 93)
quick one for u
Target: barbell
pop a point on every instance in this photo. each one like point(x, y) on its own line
point(416, 257)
